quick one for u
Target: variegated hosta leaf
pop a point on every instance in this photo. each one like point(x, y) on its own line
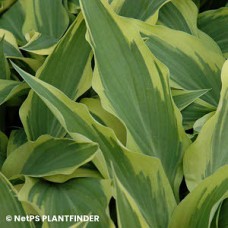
point(215, 219)
point(105, 118)
point(192, 64)
point(5, 4)
point(81, 196)
point(129, 192)
point(30, 64)
point(201, 121)
point(10, 88)
point(75, 118)
point(195, 111)
point(16, 139)
point(209, 152)
point(48, 156)
point(184, 98)
point(223, 219)
point(4, 66)
point(133, 85)
point(180, 15)
point(67, 68)
point(39, 44)
point(192, 108)
point(13, 19)
point(214, 23)
point(42, 34)
point(72, 6)
point(198, 208)
point(88, 170)
point(145, 10)
point(10, 205)
point(10, 44)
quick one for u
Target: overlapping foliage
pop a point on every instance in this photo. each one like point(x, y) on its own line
point(114, 108)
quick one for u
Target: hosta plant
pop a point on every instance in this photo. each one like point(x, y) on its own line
point(116, 109)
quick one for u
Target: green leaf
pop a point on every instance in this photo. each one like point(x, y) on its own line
point(48, 156)
point(209, 152)
point(13, 19)
point(192, 108)
point(40, 44)
point(10, 205)
point(81, 196)
point(31, 65)
point(214, 23)
point(52, 23)
point(180, 15)
point(10, 44)
point(223, 221)
point(197, 209)
point(200, 122)
point(72, 6)
point(155, 207)
point(16, 139)
point(4, 66)
point(5, 4)
point(153, 117)
point(195, 111)
point(81, 126)
point(214, 222)
point(145, 10)
point(10, 88)
point(82, 171)
point(105, 118)
point(184, 98)
point(70, 60)
point(192, 64)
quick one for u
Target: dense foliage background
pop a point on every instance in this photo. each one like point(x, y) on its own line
point(116, 108)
